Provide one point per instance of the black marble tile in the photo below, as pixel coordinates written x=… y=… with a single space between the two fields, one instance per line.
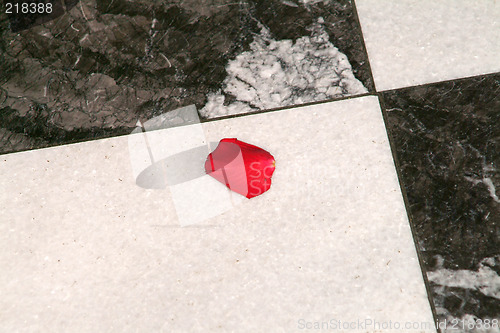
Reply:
x=446 y=138
x=102 y=65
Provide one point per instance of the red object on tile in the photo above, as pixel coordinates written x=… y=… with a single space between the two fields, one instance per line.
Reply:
x=244 y=168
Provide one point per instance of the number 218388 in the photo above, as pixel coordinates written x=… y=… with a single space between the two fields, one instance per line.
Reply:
x=28 y=8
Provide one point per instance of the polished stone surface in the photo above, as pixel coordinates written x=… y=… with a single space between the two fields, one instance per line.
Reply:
x=82 y=235
x=98 y=68
x=416 y=42
x=83 y=247
x=447 y=143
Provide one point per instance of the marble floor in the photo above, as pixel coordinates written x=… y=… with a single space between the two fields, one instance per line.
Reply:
x=383 y=213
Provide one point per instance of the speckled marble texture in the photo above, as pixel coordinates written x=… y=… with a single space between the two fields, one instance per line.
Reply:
x=447 y=142
x=416 y=42
x=83 y=247
x=96 y=69
x=86 y=247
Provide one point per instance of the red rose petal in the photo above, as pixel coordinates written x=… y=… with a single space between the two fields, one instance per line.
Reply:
x=244 y=168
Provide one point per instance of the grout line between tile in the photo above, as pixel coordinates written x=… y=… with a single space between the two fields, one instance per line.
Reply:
x=380 y=96
x=460 y=79
x=408 y=211
x=375 y=93
x=287 y=107
x=363 y=45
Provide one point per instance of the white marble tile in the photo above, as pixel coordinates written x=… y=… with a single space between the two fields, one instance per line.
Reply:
x=416 y=42
x=83 y=248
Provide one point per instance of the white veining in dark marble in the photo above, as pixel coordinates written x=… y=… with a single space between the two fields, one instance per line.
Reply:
x=447 y=142
x=485 y=279
x=455 y=289
x=101 y=65
x=276 y=73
